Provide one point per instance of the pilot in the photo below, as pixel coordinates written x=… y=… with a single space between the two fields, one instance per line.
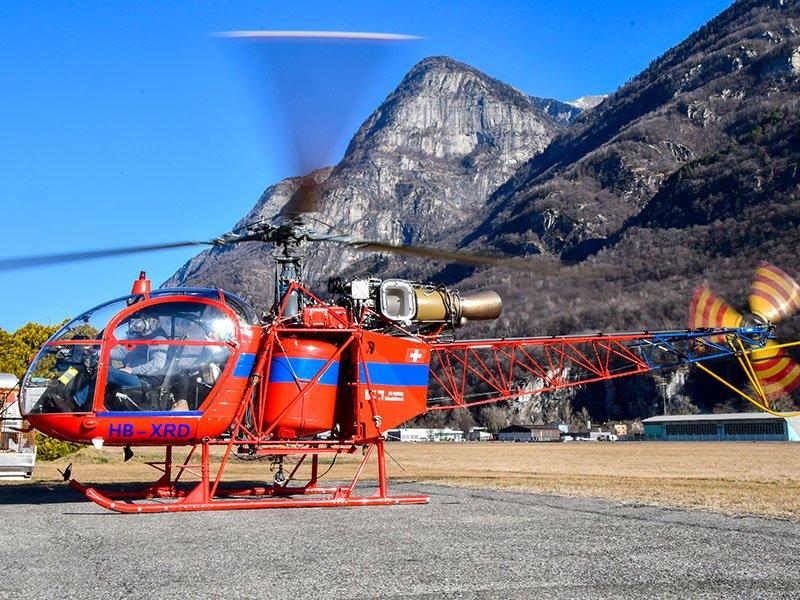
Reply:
x=144 y=365
x=145 y=360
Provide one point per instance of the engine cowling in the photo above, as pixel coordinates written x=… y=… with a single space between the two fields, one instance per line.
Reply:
x=410 y=303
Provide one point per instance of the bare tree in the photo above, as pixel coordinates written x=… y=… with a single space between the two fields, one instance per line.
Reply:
x=434 y=419
x=583 y=418
x=463 y=420
x=494 y=418
x=682 y=405
x=566 y=414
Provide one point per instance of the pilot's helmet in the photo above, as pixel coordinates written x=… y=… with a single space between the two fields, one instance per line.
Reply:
x=143 y=326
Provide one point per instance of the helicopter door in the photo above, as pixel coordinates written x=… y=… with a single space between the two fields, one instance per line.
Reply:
x=167 y=357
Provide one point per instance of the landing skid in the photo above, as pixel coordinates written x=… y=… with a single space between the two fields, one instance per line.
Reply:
x=168 y=495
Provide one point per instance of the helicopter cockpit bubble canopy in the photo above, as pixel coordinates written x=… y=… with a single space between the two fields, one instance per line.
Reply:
x=167 y=352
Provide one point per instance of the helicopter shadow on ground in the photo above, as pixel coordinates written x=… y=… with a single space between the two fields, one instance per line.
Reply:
x=42 y=493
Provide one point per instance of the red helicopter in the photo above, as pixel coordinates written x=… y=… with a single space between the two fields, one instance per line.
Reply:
x=312 y=378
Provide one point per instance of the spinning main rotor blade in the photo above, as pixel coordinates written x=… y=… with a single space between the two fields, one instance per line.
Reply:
x=541 y=265
x=317 y=35
x=26 y=262
x=306 y=199
x=315 y=80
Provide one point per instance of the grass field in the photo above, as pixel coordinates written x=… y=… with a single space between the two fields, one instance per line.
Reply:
x=754 y=478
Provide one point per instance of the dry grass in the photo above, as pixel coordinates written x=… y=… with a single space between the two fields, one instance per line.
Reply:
x=755 y=478
x=758 y=478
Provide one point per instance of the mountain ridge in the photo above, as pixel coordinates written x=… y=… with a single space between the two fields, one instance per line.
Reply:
x=420 y=164
x=688 y=173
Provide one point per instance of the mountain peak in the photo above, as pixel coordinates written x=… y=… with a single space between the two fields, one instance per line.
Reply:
x=444 y=107
x=444 y=70
x=439 y=62
x=448 y=64
x=587 y=102
x=423 y=162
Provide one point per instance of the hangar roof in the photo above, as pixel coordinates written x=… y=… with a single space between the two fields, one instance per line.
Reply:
x=754 y=416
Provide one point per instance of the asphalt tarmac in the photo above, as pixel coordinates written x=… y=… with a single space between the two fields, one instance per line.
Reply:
x=464 y=544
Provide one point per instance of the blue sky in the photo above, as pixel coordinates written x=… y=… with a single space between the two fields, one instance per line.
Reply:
x=127 y=123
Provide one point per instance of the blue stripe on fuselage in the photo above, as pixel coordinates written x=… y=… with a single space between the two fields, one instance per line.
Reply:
x=150 y=413
x=244 y=366
x=395 y=374
x=284 y=370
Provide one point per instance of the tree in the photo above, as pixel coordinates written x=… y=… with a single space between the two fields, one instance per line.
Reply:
x=494 y=418
x=434 y=419
x=463 y=420
x=583 y=418
x=18 y=349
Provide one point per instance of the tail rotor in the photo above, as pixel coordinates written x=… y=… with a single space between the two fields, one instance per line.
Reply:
x=708 y=310
x=777 y=372
x=774 y=296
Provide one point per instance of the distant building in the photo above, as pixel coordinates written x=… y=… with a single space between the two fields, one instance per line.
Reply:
x=17 y=448
x=732 y=427
x=421 y=434
x=603 y=436
x=530 y=433
x=576 y=435
x=479 y=434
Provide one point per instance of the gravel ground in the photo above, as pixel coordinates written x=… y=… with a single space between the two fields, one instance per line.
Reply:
x=465 y=544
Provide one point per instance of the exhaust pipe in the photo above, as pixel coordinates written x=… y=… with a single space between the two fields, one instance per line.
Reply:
x=481 y=306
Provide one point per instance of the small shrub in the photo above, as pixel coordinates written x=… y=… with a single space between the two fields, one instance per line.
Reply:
x=48 y=448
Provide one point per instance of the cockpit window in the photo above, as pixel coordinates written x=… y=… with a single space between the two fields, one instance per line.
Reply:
x=90 y=325
x=177 y=321
x=61 y=380
x=142 y=373
x=158 y=364
x=239 y=306
x=162 y=377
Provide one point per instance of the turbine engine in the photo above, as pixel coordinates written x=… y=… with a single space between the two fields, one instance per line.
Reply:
x=417 y=305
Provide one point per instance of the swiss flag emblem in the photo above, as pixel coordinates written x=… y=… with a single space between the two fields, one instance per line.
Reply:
x=415 y=355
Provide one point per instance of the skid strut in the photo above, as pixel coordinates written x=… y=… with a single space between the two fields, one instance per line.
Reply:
x=166 y=495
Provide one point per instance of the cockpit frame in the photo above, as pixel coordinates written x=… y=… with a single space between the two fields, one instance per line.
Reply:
x=118 y=427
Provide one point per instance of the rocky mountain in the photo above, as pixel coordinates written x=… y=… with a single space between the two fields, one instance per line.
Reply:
x=564 y=112
x=699 y=148
x=424 y=162
x=688 y=173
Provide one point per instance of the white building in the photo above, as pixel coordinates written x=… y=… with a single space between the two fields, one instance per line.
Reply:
x=479 y=434
x=17 y=448
x=421 y=434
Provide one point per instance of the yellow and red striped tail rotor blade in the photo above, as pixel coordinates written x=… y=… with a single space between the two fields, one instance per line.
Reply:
x=773 y=294
x=778 y=372
x=709 y=310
